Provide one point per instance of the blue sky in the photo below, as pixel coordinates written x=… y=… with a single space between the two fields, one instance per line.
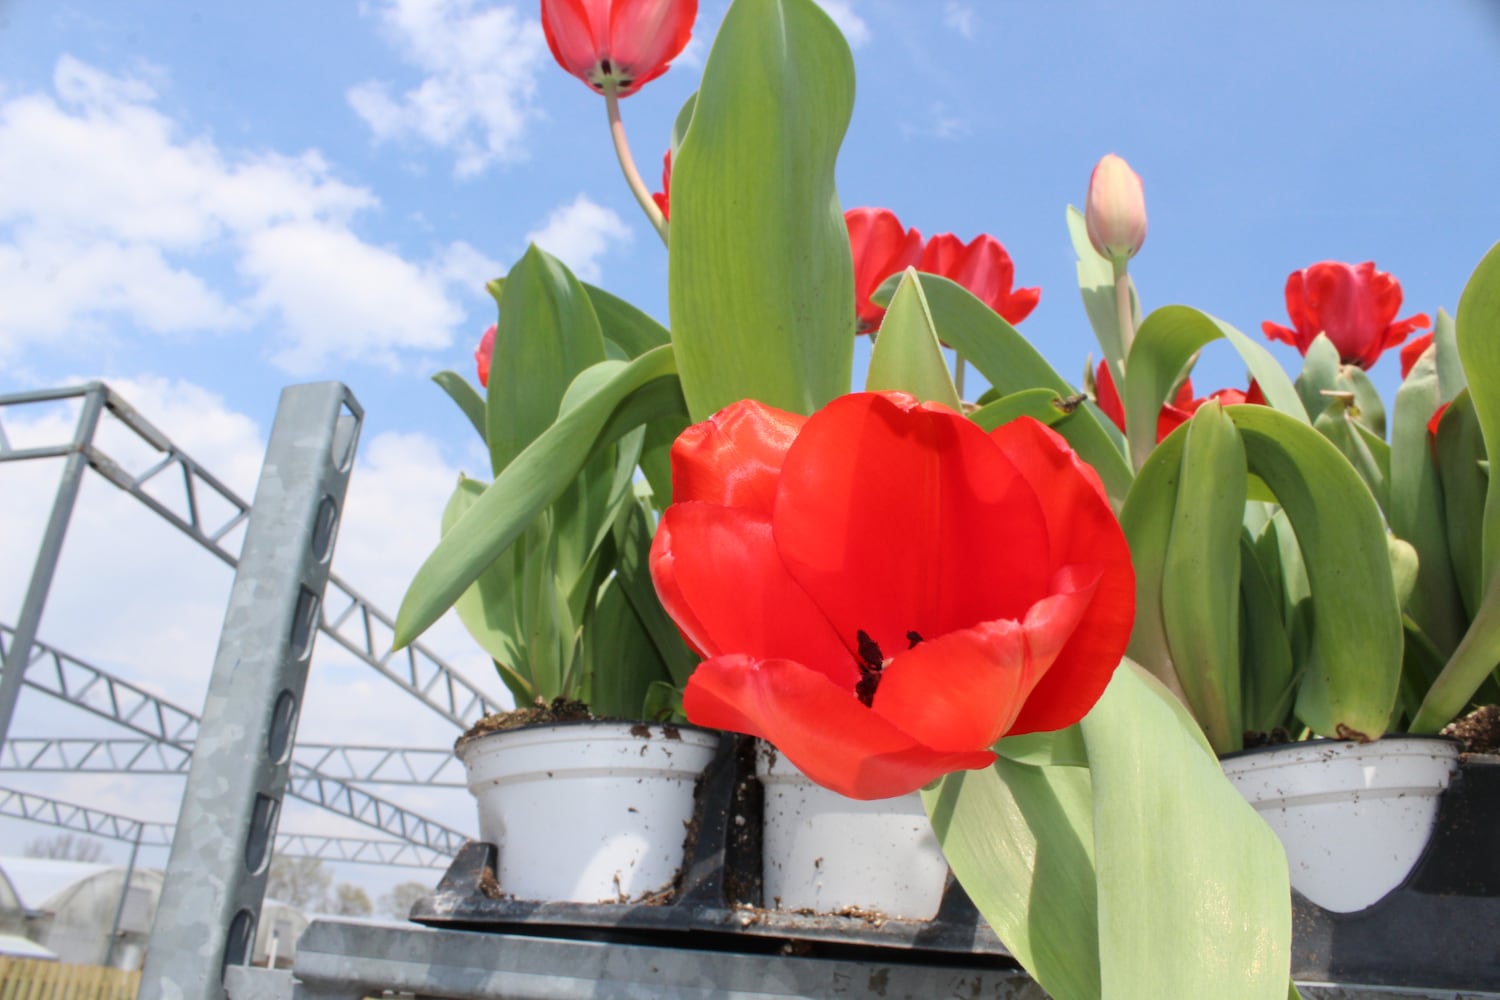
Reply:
x=203 y=203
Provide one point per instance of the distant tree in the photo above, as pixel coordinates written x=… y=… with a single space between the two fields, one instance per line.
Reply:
x=65 y=847
x=302 y=882
x=351 y=901
x=398 y=902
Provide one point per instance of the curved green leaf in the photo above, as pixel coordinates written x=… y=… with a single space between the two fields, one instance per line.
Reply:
x=1096 y=283
x=1201 y=575
x=1043 y=405
x=468 y=399
x=1010 y=364
x=1319 y=375
x=488 y=608
x=623 y=324
x=1146 y=518
x=761 y=284
x=530 y=482
x=623 y=661
x=1267 y=674
x=1350 y=683
x=1194 y=899
x=1450 y=369
x=908 y=357
x=1166 y=341
x=1370 y=456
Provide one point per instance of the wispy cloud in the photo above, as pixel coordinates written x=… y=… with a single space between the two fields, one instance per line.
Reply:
x=579 y=234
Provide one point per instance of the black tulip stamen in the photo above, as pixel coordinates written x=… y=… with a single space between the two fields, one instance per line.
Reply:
x=871 y=661
x=913 y=637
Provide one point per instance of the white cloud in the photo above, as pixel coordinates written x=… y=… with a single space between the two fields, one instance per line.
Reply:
x=959 y=17
x=478 y=89
x=579 y=233
x=111 y=217
x=855 y=30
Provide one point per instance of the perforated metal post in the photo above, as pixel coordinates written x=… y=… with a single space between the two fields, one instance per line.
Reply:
x=216 y=878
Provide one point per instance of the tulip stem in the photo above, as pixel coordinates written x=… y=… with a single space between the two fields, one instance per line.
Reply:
x=1123 y=309
x=627 y=166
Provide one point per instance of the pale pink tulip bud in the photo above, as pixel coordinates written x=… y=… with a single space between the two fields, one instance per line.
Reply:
x=1116 y=209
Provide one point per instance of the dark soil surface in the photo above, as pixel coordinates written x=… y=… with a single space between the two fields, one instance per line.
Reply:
x=558 y=710
x=1479 y=730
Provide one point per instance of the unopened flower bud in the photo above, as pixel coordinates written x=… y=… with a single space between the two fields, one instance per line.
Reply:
x=1116 y=209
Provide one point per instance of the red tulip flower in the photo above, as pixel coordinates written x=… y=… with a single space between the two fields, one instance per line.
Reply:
x=483 y=354
x=663 y=198
x=984 y=268
x=1174 y=413
x=616 y=46
x=883 y=590
x=1354 y=304
x=881 y=247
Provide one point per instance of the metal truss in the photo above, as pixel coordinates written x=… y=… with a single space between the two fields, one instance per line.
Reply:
x=353 y=764
x=347 y=617
x=90 y=688
x=70 y=816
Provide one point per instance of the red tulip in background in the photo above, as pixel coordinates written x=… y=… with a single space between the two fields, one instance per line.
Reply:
x=984 y=268
x=1412 y=351
x=663 y=198
x=882 y=590
x=1173 y=414
x=881 y=247
x=1354 y=304
x=483 y=354
x=616 y=46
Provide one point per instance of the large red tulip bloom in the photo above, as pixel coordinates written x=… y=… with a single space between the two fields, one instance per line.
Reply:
x=985 y=269
x=483 y=355
x=1354 y=304
x=883 y=590
x=616 y=46
x=881 y=247
x=1174 y=413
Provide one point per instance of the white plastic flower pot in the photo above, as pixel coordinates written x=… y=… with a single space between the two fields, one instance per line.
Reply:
x=1354 y=817
x=825 y=853
x=587 y=812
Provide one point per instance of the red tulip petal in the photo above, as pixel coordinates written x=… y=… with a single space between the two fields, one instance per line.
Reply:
x=881 y=247
x=734 y=457
x=1275 y=331
x=575 y=40
x=1083 y=533
x=963 y=690
x=646 y=35
x=823 y=729
x=1107 y=397
x=719 y=576
x=1019 y=304
x=896 y=516
x=1413 y=351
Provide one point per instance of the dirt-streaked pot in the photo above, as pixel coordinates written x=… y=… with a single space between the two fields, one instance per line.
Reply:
x=830 y=854
x=1354 y=817
x=586 y=812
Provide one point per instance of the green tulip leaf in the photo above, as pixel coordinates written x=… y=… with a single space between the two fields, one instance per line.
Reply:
x=1416 y=507
x=1185 y=865
x=1368 y=408
x=1478 y=335
x=1460 y=448
x=623 y=659
x=1167 y=340
x=1146 y=518
x=908 y=356
x=1096 y=283
x=1061 y=747
x=1200 y=603
x=633 y=573
x=761 y=280
x=1450 y=368
x=1350 y=682
x=1319 y=375
x=547 y=334
x=640 y=392
x=1043 y=405
x=488 y=608
x=1009 y=363
x=1020 y=840
x=1369 y=455
x=1267 y=673
x=624 y=325
x=462 y=393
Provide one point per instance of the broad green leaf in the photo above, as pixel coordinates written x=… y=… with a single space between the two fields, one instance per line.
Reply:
x=682 y=121
x=1460 y=449
x=1020 y=840
x=533 y=480
x=1403 y=568
x=1059 y=747
x=1416 y=507
x=1194 y=899
x=488 y=608
x=1350 y=684
x=1369 y=455
x=468 y=399
x=1163 y=345
x=1319 y=375
x=1267 y=675
x=1200 y=600
x=623 y=660
x=547 y=334
x=761 y=284
x=1369 y=410
x=1096 y=282
x=633 y=551
x=1011 y=364
x=1146 y=518
x=908 y=357
x=623 y=324
x=1450 y=369
x=1478 y=334
x=1044 y=405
